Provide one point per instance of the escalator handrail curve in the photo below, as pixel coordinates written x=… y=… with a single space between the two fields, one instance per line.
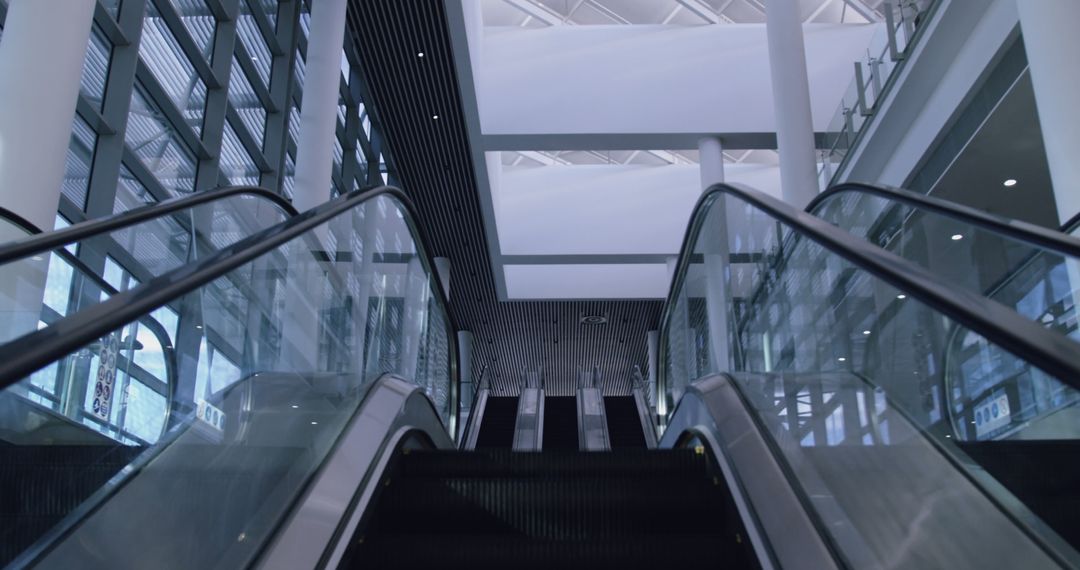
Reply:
x=48 y=241
x=1019 y=230
x=23 y=356
x=1050 y=351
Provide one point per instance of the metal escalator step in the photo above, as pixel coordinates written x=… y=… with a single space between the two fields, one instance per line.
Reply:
x=504 y=463
x=482 y=552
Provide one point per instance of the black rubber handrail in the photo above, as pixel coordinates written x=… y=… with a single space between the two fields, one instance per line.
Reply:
x=1070 y=226
x=24 y=355
x=1015 y=229
x=1029 y=340
x=49 y=241
x=19 y=221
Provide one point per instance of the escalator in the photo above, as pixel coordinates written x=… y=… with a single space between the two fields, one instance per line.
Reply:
x=551 y=509
x=310 y=422
x=623 y=422
x=497 y=425
x=560 y=423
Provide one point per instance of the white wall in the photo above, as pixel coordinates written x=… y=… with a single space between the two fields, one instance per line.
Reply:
x=664 y=79
x=605 y=209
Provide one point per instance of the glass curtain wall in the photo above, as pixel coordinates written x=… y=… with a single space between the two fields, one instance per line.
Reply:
x=183 y=96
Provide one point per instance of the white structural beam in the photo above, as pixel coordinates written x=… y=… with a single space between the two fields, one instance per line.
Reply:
x=538 y=11
x=701 y=10
x=624 y=80
x=817 y=11
x=864 y=10
x=543 y=158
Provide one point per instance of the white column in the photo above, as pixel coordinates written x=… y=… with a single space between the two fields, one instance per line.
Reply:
x=41 y=60
x=1052 y=46
x=318 y=112
x=791 y=101
x=711 y=161
x=715 y=248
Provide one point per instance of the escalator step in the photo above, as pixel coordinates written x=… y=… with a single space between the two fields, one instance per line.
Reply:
x=488 y=552
x=560 y=423
x=495 y=463
x=497 y=425
x=624 y=424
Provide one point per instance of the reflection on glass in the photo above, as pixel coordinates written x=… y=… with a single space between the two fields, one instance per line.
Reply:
x=284 y=349
x=850 y=378
x=130 y=192
x=161 y=52
x=1036 y=282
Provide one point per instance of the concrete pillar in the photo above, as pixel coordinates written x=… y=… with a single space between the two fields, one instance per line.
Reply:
x=318 y=111
x=791 y=101
x=41 y=61
x=1052 y=45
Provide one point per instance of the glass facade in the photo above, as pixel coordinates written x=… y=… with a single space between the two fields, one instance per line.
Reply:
x=180 y=96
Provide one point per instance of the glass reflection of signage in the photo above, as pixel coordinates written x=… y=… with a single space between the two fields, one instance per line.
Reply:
x=106 y=377
x=992 y=414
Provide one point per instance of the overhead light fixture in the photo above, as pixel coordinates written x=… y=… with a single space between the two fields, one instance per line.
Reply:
x=957 y=237
x=841 y=359
x=901 y=296
x=1009 y=183
x=198 y=326
x=866 y=332
x=294 y=406
x=314 y=423
x=420 y=54
x=435 y=117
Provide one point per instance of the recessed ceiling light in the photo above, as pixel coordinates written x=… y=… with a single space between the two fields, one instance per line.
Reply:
x=314 y=423
x=866 y=332
x=254 y=59
x=435 y=117
x=294 y=406
x=1010 y=183
x=901 y=296
x=198 y=326
x=420 y=54
x=957 y=237
x=841 y=359
x=37 y=258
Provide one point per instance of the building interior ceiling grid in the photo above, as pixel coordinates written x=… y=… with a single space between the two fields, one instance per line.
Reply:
x=433 y=163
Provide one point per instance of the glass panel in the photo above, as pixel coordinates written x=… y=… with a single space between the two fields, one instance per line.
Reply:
x=848 y=376
x=152 y=138
x=160 y=52
x=1037 y=283
x=112 y=7
x=130 y=193
x=246 y=439
x=289 y=180
x=147 y=249
x=200 y=23
x=236 y=163
x=270 y=8
x=96 y=68
x=249 y=34
x=80 y=157
x=246 y=102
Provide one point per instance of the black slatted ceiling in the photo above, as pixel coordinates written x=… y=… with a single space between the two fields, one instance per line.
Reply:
x=433 y=165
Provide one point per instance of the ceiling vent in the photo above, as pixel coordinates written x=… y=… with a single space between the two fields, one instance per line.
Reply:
x=593 y=319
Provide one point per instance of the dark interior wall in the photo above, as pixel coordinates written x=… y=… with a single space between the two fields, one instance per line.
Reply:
x=433 y=166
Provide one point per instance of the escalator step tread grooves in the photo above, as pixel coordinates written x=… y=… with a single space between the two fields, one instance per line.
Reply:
x=631 y=508
x=624 y=424
x=497 y=425
x=560 y=423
